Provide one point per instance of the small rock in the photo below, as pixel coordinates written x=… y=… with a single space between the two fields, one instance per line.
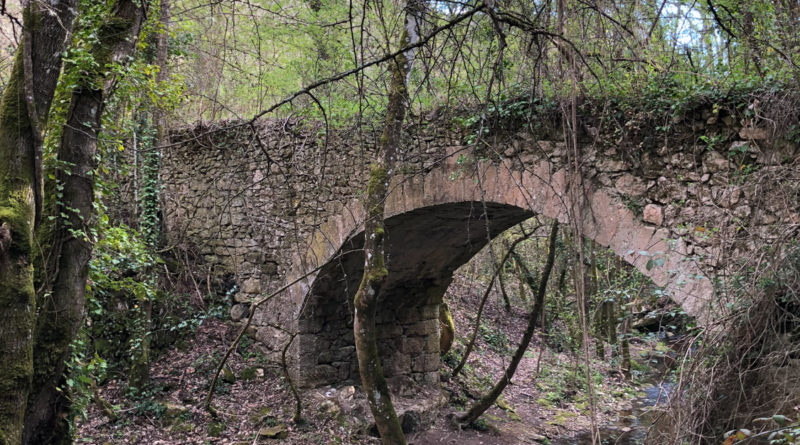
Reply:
x=714 y=162
x=742 y=211
x=240 y=311
x=330 y=408
x=410 y=421
x=173 y=412
x=753 y=133
x=653 y=214
x=273 y=432
x=347 y=392
x=215 y=429
x=261 y=416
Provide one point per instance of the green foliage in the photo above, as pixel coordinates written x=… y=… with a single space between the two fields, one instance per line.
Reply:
x=452 y=357
x=495 y=338
x=120 y=283
x=84 y=369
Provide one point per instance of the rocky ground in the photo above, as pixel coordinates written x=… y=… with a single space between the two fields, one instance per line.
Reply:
x=547 y=402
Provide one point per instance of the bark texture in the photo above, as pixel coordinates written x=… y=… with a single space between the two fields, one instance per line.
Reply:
x=375 y=272
x=483 y=404
x=46 y=28
x=61 y=311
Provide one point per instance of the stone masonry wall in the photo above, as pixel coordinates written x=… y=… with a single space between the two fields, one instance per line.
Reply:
x=248 y=199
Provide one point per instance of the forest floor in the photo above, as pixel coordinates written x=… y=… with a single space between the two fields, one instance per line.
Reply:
x=546 y=403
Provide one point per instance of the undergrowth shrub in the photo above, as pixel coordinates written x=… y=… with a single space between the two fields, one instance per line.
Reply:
x=745 y=371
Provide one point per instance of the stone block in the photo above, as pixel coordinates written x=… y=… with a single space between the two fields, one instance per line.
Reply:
x=428 y=378
x=251 y=286
x=653 y=214
x=398 y=363
x=325 y=357
x=426 y=363
x=343 y=370
x=408 y=315
x=431 y=344
x=344 y=354
x=429 y=311
x=753 y=133
x=714 y=162
x=311 y=325
x=322 y=374
x=422 y=328
x=413 y=345
x=630 y=185
x=389 y=331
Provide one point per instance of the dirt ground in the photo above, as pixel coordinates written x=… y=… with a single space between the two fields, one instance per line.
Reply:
x=540 y=406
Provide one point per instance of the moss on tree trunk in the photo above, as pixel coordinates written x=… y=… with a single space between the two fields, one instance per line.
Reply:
x=61 y=312
x=39 y=52
x=366 y=298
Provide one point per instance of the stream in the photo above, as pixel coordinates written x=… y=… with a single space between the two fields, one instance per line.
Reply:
x=631 y=425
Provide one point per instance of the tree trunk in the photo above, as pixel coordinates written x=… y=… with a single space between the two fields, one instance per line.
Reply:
x=149 y=220
x=506 y=301
x=375 y=272
x=447 y=329
x=625 y=364
x=23 y=110
x=482 y=405
x=61 y=313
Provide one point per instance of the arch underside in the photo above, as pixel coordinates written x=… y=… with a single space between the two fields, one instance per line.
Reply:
x=424 y=247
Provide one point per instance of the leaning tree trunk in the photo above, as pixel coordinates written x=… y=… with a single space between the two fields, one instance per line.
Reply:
x=61 y=312
x=484 y=403
x=375 y=272
x=23 y=112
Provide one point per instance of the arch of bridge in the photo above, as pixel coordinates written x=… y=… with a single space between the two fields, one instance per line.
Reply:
x=435 y=223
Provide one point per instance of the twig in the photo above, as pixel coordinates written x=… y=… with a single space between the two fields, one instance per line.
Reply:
x=298 y=404
x=471 y=343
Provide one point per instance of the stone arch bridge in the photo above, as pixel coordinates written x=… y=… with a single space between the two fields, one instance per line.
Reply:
x=284 y=206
